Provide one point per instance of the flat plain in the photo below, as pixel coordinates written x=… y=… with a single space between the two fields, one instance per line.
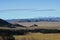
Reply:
x=51 y=25
x=40 y=36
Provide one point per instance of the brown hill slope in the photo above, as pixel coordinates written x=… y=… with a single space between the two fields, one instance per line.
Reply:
x=4 y=23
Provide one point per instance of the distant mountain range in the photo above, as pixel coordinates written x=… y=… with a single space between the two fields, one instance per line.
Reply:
x=47 y=19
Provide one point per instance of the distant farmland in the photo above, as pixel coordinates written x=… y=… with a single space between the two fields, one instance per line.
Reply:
x=53 y=25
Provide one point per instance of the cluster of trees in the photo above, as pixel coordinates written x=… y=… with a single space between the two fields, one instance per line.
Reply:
x=6 y=34
x=45 y=31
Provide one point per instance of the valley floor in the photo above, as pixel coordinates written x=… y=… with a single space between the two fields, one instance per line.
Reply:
x=38 y=36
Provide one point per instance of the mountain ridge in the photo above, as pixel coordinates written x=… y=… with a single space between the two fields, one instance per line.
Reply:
x=47 y=19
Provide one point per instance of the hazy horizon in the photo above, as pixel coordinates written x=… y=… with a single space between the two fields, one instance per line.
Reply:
x=21 y=9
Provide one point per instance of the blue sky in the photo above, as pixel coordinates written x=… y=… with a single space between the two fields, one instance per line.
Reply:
x=14 y=9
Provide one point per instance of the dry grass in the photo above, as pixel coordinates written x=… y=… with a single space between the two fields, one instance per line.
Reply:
x=45 y=24
x=38 y=36
x=53 y=25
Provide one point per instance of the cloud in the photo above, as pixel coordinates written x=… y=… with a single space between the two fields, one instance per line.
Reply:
x=9 y=10
x=47 y=10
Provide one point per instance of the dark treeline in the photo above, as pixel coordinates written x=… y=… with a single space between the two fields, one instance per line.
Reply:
x=23 y=32
x=9 y=33
x=45 y=31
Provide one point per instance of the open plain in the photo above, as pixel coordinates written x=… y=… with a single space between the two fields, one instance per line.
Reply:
x=40 y=36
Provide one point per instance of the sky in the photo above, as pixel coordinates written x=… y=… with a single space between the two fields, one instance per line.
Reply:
x=21 y=9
